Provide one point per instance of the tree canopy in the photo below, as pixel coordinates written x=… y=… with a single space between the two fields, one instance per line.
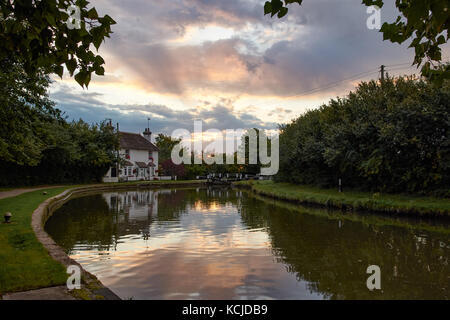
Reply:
x=390 y=136
x=425 y=22
x=37 y=34
x=37 y=145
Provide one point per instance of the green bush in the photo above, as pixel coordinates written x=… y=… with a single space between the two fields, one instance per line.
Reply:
x=37 y=145
x=389 y=137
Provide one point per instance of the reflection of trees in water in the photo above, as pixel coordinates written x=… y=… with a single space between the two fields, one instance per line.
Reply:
x=333 y=255
x=101 y=220
x=87 y=220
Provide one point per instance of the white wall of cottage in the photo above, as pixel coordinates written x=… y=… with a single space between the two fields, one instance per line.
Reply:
x=139 y=156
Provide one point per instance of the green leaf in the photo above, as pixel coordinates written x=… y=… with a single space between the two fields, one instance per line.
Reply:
x=100 y=71
x=71 y=65
x=92 y=14
x=267 y=8
x=283 y=11
x=81 y=78
x=59 y=70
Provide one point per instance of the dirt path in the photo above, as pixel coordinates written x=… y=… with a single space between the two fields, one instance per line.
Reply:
x=16 y=192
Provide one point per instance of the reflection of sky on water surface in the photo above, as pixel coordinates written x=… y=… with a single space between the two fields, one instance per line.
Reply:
x=212 y=244
x=208 y=253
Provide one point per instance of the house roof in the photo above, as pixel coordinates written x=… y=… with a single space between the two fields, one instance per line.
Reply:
x=141 y=164
x=135 y=141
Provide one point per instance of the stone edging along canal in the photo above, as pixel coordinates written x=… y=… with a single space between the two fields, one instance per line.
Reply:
x=90 y=283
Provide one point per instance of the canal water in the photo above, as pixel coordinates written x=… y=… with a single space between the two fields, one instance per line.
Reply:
x=229 y=244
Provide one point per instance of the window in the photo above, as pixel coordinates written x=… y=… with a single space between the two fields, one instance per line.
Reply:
x=127 y=154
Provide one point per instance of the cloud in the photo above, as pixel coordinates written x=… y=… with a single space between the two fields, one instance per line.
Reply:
x=156 y=49
x=320 y=42
x=88 y=106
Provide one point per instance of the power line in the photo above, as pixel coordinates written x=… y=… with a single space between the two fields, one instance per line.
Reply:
x=398 y=64
x=444 y=59
x=410 y=67
x=335 y=83
x=358 y=76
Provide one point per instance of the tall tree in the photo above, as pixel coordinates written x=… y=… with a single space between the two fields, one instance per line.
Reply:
x=165 y=145
x=37 y=145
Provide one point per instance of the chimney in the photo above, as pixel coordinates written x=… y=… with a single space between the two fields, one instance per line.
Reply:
x=148 y=134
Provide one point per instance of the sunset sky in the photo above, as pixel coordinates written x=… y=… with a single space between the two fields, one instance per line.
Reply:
x=226 y=63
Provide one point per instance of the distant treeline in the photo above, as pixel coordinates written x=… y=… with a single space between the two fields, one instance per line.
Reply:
x=37 y=145
x=391 y=136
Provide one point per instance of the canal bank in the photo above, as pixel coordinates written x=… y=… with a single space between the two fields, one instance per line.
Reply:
x=225 y=243
x=406 y=205
x=246 y=212
x=30 y=258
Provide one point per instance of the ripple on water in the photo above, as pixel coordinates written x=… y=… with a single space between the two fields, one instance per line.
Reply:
x=202 y=244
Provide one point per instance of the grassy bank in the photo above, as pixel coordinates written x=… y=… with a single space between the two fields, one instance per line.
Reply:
x=24 y=263
x=353 y=200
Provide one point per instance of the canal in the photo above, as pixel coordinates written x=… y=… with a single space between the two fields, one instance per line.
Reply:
x=224 y=243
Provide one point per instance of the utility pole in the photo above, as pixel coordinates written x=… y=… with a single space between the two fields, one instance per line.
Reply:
x=382 y=72
x=118 y=154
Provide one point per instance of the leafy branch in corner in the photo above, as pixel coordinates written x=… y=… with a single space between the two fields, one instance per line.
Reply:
x=425 y=22
x=36 y=33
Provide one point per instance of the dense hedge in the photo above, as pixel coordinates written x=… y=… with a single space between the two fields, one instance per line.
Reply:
x=37 y=145
x=391 y=137
x=77 y=153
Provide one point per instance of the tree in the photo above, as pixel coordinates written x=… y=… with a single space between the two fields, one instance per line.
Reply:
x=37 y=145
x=390 y=137
x=24 y=106
x=38 y=35
x=425 y=21
x=171 y=169
x=165 y=145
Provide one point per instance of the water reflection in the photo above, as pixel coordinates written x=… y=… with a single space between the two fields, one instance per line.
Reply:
x=226 y=244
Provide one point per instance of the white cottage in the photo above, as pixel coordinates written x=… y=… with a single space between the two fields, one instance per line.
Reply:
x=139 y=158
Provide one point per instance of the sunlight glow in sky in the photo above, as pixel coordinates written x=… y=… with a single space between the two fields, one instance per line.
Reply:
x=180 y=60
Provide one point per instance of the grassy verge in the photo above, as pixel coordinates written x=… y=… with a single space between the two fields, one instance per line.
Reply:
x=24 y=263
x=366 y=218
x=364 y=201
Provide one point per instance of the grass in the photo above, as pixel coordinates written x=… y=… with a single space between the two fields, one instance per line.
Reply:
x=24 y=263
x=354 y=200
x=367 y=219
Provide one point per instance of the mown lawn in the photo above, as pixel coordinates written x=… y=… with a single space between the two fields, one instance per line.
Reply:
x=24 y=263
x=389 y=203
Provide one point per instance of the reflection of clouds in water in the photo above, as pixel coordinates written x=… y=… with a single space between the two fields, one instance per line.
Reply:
x=206 y=252
x=211 y=244
x=233 y=275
